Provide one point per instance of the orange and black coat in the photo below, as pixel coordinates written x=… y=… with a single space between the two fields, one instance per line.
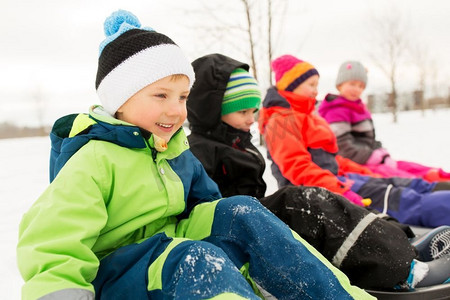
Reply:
x=301 y=143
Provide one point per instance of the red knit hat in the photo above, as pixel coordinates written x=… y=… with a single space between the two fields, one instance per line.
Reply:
x=290 y=72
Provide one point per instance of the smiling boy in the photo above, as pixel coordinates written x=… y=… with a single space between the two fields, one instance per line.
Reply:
x=124 y=219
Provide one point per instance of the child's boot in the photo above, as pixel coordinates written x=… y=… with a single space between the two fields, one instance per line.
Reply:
x=434 y=244
x=438 y=273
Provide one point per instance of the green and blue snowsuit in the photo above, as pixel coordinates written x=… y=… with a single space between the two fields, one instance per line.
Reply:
x=123 y=221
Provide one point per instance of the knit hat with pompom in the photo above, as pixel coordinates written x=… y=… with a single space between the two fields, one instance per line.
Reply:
x=132 y=57
x=290 y=72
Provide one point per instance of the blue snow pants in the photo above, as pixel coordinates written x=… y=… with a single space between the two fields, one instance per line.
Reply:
x=219 y=252
x=410 y=201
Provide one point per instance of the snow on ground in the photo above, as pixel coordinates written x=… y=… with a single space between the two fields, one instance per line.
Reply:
x=24 y=173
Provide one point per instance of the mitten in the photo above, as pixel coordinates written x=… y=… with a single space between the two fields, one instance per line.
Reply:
x=444 y=174
x=377 y=157
x=436 y=175
x=353 y=197
x=388 y=161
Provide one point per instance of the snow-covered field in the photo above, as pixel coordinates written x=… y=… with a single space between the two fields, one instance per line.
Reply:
x=24 y=173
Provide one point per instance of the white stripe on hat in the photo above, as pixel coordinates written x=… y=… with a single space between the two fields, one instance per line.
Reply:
x=140 y=70
x=244 y=87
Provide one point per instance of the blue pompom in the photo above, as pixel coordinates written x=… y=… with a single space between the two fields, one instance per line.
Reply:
x=116 y=19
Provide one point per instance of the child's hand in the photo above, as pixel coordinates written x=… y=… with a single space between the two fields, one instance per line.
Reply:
x=378 y=157
x=388 y=161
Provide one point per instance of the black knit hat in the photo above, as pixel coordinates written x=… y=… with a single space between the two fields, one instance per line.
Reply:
x=132 y=57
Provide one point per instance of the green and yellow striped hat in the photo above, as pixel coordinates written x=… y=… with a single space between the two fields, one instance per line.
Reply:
x=242 y=92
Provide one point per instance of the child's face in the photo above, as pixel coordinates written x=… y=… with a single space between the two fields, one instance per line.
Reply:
x=352 y=89
x=159 y=107
x=241 y=120
x=308 y=88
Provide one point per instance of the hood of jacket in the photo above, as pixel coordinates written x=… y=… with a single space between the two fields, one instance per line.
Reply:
x=286 y=99
x=273 y=98
x=204 y=104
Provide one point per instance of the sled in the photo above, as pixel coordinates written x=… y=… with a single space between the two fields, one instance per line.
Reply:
x=435 y=292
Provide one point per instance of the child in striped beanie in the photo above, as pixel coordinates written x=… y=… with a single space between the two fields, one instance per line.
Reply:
x=241 y=100
x=241 y=92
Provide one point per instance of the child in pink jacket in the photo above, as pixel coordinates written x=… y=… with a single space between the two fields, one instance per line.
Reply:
x=353 y=126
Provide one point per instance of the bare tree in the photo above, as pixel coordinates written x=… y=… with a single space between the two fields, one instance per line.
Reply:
x=235 y=33
x=251 y=41
x=243 y=32
x=269 y=38
x=420 y=58
x=434 y=77
x=390 y=41
x=276 y=15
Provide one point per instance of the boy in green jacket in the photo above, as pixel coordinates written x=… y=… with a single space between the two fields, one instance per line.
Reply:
x=131 y=213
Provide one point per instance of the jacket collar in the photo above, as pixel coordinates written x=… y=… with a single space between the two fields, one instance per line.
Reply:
x=299 y=103
x=120 y=132
x=332 y=101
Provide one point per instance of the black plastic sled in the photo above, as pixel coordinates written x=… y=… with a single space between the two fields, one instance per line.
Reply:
x=436 y=292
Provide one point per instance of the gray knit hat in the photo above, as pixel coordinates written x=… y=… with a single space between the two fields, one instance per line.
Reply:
x=351 y=70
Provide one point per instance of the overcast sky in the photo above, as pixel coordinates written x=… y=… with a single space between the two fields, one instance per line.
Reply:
x=49 y=48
